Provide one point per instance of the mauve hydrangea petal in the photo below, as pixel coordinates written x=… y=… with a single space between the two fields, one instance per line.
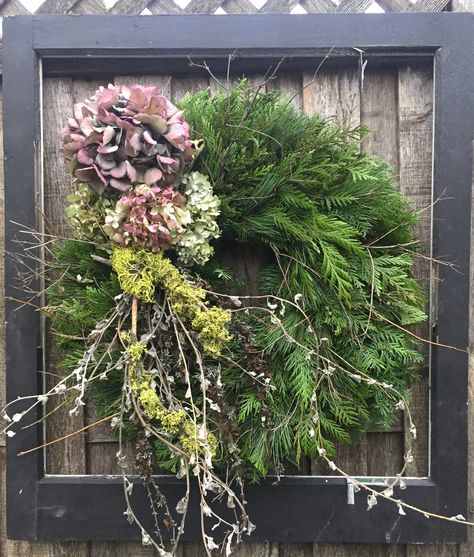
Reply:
x=157 y=123
x=127 y=124
x=84 y=158
x=152 y=176
x=119 y=171
x=120 y=185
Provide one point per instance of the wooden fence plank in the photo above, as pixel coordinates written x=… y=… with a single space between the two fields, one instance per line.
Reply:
x=66 y=457
x=415 y=98
x=334 y=95
x=256 y=550
x=290 y=83
x=384 y=450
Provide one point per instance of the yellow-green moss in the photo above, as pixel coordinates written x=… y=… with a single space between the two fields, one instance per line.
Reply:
x=212 y=327
x=137 y=271
x=140 y=271
x=172 y=422
x=190 y=441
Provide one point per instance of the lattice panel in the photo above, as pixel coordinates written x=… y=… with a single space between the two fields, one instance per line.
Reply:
x=14 y=7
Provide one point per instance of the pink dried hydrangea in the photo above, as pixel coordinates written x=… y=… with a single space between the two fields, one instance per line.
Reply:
x=148 y=217
x=124 y=136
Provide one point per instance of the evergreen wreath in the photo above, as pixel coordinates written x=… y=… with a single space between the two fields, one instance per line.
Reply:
x=151 y=318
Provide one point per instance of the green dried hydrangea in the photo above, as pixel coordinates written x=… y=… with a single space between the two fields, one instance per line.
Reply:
x=203 y=206
x=86 y=212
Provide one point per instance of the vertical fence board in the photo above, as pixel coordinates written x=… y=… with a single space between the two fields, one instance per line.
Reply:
x=415 y=94
x=335 y=94
x=384 y=450
x=69 y=456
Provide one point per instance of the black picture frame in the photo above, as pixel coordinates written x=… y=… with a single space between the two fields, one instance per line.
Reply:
x=301 y=508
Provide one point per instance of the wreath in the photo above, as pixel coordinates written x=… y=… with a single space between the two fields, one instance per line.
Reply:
x=216 y=378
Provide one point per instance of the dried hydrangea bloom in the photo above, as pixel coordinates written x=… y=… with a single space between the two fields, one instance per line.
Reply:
x=86 y=213
x=124 y=136
x=203 y=207
x=148 y=217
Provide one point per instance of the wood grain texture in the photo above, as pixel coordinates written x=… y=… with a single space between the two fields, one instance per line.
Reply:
x=334 y=95
x=384 y=451
x=358 y=550
x=415 y=96
x=202 y=7
x=291 y=85
x=415 y=113
x=257 y=550
x=66 y=457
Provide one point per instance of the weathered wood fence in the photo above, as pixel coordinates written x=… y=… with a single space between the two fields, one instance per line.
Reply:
x=396 y=103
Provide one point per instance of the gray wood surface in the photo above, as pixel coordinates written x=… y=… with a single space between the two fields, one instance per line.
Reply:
x=415 y=113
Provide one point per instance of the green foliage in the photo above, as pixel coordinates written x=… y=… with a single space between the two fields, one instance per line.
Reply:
x=336 y=225
x=82 y=295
